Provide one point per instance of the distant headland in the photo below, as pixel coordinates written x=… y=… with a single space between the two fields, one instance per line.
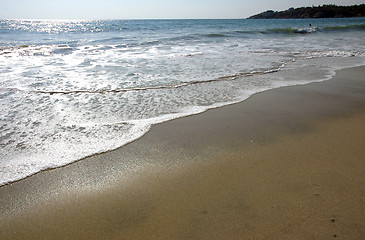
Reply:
x=324 y=11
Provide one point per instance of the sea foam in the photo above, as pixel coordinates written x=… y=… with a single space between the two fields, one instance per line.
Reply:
x=71 y=89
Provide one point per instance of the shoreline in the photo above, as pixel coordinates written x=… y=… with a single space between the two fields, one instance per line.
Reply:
x=181 y=115
x=195 y=170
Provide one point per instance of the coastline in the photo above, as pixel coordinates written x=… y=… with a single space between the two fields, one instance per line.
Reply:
x=285 y=163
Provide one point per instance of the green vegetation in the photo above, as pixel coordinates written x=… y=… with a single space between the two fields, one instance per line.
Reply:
x=324 y=11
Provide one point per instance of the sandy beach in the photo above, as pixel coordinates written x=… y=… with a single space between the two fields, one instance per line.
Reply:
x=286 y=163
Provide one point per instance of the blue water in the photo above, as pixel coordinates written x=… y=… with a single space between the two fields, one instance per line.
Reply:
x=71 y=89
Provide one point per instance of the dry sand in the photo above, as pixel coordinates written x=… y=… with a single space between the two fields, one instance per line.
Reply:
x=287 y=163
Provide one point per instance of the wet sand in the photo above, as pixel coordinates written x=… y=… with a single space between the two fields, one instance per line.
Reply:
x=284 y=164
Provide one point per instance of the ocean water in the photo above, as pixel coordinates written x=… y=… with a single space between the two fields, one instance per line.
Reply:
x=71 y=89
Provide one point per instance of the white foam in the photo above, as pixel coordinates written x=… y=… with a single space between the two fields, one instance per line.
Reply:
x=63 y=102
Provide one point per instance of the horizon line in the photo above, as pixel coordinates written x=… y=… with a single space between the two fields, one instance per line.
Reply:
x=114 y=19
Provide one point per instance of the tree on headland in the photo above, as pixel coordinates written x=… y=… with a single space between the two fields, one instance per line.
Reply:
x=324 y=11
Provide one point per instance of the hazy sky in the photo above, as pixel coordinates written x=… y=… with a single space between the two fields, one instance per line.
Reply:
x=136 y=9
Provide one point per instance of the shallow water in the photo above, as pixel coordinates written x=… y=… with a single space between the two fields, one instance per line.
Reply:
x=71 y=89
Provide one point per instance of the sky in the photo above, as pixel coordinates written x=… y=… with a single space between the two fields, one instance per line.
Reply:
x=149 y=9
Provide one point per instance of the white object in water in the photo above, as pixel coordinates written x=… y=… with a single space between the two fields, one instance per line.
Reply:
x=306 y=30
